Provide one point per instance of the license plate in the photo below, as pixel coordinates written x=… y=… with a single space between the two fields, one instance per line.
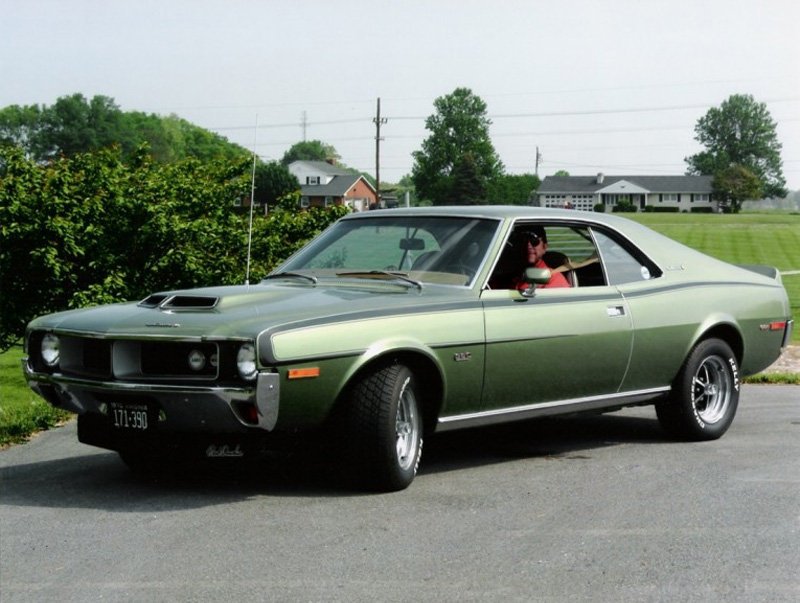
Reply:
x=130 y=416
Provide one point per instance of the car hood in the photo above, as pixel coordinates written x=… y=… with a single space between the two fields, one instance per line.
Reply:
x=244 y=311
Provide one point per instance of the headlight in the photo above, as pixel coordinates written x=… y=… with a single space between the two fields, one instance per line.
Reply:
x=246 y=362
x=51 y=353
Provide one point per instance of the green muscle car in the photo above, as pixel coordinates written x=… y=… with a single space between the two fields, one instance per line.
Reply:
x=394 y=324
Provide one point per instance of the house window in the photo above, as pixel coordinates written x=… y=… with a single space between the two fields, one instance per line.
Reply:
x=702 y=197
x=328 y=201
x=312 y=179
x=670 y=197
x=304 y=202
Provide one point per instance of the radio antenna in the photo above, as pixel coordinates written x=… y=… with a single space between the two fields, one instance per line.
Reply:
x=252 y=205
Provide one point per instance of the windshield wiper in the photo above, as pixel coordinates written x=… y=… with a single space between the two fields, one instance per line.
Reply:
x=383 y=274
x=313 y=279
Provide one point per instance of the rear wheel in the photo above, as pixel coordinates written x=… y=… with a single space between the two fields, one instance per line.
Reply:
x=385 y=428
x=705 y=394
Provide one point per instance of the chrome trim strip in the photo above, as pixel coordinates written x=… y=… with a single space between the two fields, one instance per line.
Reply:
x=516 y=413
x=143 y=337
x=787 y=333
x=160 y=388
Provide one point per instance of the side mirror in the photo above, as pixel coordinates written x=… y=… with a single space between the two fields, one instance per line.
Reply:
x=535 y=276
x=538 y=276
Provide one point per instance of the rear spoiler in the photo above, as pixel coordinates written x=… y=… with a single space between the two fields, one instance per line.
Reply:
x=769 y=271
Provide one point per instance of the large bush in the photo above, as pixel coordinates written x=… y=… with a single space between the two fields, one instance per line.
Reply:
x=92 y=229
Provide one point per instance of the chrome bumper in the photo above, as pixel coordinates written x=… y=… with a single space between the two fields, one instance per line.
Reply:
x=787 y=333
x=186 y=407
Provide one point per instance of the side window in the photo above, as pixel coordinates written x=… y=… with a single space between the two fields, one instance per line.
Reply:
x=569 y=250
x=572 y=250
x=621 y=264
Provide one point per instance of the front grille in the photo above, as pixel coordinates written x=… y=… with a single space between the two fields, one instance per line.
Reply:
x=86 y=357
x=160 y=360
x=142 y=360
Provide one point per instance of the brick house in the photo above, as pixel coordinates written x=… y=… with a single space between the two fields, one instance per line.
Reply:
x=323 y=184
x=681 y=193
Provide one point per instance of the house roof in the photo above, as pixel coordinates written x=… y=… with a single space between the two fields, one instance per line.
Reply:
x=324 y=167
x=337 y=187
x=583 y=185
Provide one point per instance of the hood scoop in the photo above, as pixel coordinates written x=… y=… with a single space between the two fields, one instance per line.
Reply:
x=180 y=302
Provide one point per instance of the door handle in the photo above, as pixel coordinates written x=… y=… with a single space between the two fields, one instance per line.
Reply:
x=615 y=311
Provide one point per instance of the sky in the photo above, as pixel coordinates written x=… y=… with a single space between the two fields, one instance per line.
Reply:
x=612 y=86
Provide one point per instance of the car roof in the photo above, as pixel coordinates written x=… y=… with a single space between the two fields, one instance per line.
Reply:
x=506 y=212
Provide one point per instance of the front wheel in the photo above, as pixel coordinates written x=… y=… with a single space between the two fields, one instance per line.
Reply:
x=705 y=394
x=385 y=428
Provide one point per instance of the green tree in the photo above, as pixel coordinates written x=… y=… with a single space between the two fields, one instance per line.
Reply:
x=273 y=182
x=736 y=184
x=21 y=126
x=75 y=125
x=740 y=132
x=513 y=189
x=94 y=229
x=459 y=126
x=311 y=150
x=561 y=174
x=467 y=186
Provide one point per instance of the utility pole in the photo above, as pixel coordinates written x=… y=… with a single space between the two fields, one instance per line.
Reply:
x=538 y=159
x=378 y=121
x=304 y=125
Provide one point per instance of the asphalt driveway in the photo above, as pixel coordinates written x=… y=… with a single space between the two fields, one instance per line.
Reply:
x=581 y=509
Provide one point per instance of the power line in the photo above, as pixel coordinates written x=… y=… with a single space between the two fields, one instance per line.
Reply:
x=588 y=112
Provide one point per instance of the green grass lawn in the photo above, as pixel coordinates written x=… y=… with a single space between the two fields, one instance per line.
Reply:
x=21 y=412
x=750 y=238
x=771 y=238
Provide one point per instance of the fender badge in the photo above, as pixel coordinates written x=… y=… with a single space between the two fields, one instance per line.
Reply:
x=462 y=356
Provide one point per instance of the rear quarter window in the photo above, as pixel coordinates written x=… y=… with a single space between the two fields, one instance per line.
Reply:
x=622 y=262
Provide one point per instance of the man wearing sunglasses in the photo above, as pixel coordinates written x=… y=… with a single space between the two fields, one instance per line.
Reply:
x=532 y=244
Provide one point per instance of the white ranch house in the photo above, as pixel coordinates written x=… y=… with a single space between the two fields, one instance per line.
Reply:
x=686 y=193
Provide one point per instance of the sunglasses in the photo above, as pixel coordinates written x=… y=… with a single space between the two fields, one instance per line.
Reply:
x=533 y=238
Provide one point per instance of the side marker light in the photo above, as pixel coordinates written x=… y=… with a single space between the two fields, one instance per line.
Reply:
x=303 y=373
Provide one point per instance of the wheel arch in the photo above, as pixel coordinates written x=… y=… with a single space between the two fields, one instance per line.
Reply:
x=728 y=333
x=430 y=381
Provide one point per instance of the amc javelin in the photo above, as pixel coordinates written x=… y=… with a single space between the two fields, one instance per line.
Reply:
x=395 y=324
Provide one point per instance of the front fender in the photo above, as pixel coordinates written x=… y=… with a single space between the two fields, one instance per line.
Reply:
x=452 y=343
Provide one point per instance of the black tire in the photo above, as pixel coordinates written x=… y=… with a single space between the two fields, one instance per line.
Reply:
x=385 y=428
x=705 y=394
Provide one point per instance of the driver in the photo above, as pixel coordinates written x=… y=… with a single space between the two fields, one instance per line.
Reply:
x=532 y=245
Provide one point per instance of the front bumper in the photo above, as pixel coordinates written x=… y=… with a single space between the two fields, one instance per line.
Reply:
x=187 y=408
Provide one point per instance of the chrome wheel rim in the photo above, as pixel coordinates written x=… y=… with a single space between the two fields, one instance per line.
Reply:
x=406 y=427
x=711 y=390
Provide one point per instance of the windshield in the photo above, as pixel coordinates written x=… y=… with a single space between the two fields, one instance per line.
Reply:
x=446 y=250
